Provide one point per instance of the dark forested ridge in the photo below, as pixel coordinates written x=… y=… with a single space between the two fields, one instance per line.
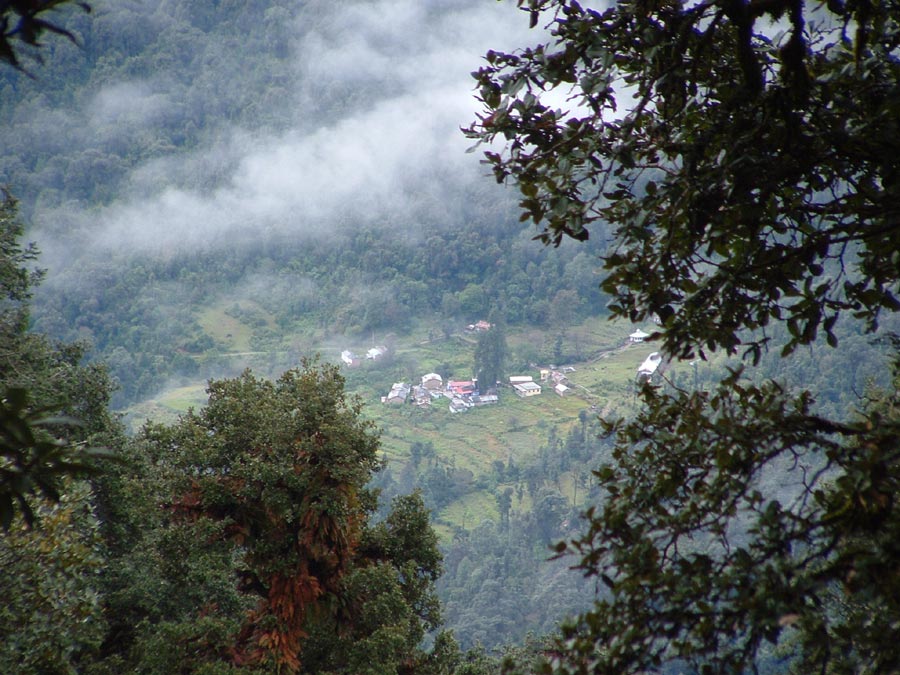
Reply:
x=144 y=80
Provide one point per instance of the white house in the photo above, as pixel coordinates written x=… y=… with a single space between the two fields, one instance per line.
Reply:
x=349 y=358
x=526 y=389
x=433 y=381
x=638 y=336
x=561 y=389
x=650 y=365
x=520 y=379
x=376 y=353
x=399 y=392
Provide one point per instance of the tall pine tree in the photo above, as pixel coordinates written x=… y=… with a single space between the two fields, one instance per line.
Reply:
x=490 y=356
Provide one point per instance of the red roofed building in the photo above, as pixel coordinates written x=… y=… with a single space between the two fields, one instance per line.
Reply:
x=461 y=387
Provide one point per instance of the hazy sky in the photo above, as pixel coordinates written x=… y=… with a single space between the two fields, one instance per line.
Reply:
x=396 y=154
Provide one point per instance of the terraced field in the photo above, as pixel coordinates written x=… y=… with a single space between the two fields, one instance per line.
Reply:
x=514 y=429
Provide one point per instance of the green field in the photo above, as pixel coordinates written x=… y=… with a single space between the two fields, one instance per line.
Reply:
x=227 y=327
x=516 y=428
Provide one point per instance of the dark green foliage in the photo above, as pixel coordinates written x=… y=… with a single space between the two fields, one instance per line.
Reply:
x=168 y=588
x=750 y=177
x=52 y=414
x=498 y=583
x=550 y=509
x=51 y=616
x=279 y=467
x=26 y=21
x=392 y=597
x=244 y=541
x=735 y=520
x=491 y=353
x=748 y=180
x=16 y=282
x=43 y=390
x=34 y=457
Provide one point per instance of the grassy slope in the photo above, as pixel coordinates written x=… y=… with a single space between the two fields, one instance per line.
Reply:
x=228 y=331
x=232 y=334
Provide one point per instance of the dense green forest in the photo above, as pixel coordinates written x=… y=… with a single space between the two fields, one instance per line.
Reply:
x=157 y=108
x=110 y=559
x=145 y=323
x=143 y=314
x=232 y=183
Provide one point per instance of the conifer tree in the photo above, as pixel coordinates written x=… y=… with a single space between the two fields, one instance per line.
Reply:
x=490 y=356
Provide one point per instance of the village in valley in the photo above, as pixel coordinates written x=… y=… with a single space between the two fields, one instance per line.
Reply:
x=461 y=395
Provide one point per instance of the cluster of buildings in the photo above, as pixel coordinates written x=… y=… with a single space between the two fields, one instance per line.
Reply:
x=558 y=380
x=463 y=394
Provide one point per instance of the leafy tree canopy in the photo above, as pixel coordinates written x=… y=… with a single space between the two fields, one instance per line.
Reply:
x=745 y=155
x=284 y=467
x=51 y=616
x=47 y=401
x=745 y=152
x=490 y=356
x=53 y=410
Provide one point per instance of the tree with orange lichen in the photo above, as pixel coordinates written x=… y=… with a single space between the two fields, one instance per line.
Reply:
x=250 y=544
x=282 y=468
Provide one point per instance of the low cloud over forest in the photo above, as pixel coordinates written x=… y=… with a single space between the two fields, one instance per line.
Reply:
x=346 y=114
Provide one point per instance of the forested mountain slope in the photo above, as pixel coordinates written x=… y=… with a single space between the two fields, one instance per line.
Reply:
x=153 y=161
x=303 y=156
x=142 y=160
x=215 y=179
